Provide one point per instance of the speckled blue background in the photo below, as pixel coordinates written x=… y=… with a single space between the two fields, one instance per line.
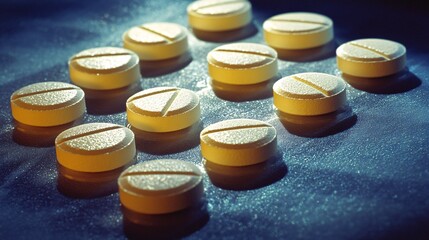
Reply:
x=370 y=181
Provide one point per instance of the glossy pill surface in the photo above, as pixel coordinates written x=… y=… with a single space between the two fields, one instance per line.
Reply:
x=95 y=147
x=163 y=109
x=219 y=15
x=309 y=94
x=47 y=104
x=238 y=142
x=156 y=41
x=104 y=68
x=371 y=57
x=160 y=186
x=242 y=63
x=298 y=30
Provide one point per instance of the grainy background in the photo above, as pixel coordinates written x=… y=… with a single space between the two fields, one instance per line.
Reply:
x=367 y=182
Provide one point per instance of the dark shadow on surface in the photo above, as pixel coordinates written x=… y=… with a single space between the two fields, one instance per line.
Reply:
x=226 y=36
x=397 y=83
x=319 y=126
x=308 y=55
x=168 y=142
x=162 y=67
x=103 y=102
x=241 y=93
x=32 y=136
x=165 y=226
x=247 y=177
x=75 y=184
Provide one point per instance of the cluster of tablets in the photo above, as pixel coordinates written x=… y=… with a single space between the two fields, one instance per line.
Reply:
x=165 y=186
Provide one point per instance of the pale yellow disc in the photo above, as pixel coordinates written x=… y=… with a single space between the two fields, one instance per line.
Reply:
x=156 y=41
x=298 y=30
x=242 y=63
x=104 y=68
x=163 y=109
x=95 y=147
x=47 y=104
x=238 y=142
x=309 y=94
x=371 y=57
x=160 y=186
x=219 y=15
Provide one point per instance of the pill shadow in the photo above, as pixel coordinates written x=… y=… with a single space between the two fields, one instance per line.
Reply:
x=162 y=67
x=169 y=142
x=32 y=136
x=226 y=36
x=165 y=226
x=318 y=126
x=103 y=102
x=85 y=185
x=247 y=177
x=397 y=83
x=240 y=93
x=308 y=55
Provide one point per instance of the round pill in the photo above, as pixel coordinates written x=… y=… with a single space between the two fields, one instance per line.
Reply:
x=163 y=109
x=156 y=41
x=95 y=147
x=104 y=68
x=219 y=15
x=309 y=94
x=47 y=104
x=160 y=186
x=298 y=30
x=238 y=142
x=242 y=63
x=371 y=58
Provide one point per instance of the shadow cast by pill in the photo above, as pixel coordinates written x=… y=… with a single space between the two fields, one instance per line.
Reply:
x=168 y=142
x=165 y=226
x=398 y=83
x=162 y=67
x=103 y=102
x=84 y=185
x=32 y=136
x=308 y=55
x=226 y=36
x=318 y=126
x=240 y=93
x=247 y=177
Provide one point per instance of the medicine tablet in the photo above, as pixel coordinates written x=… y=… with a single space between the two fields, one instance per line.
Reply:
x=298 y=30
x=163 y=109
x=104 y=68
x=238 y=142
x=219 y=15
x=156 y=41
x=242 y=63
x=95 y=147
x=47 y=104
x=160 y=186
x=309 y=94
x=371 y=58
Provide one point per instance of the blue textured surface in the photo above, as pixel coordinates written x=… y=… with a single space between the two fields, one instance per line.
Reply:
x=369 y=181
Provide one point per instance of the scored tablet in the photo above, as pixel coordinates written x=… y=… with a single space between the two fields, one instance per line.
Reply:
x=163 y=109
x=95 y=147
x=104 y=68
x=47 y=104
x=238 y=142
x=371 y=58
x=242 y=63
x=160 y=186
x=309 y=94
x=156 y=41
x=219 y=15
